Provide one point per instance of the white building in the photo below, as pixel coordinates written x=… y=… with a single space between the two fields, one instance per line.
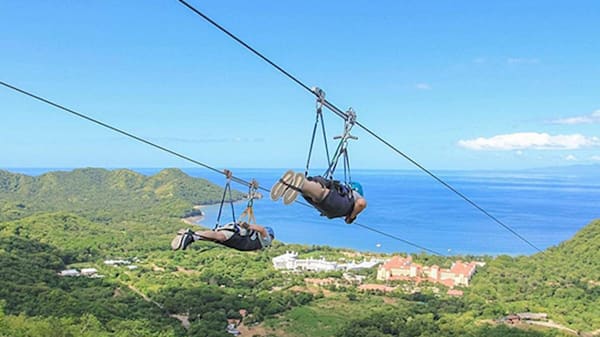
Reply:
x=116 y=262
x=231 y=328
x=69 y=272
x=88 y=271
x=290 y=261
x=363 y=265
x=316 y=265
x=285 y=261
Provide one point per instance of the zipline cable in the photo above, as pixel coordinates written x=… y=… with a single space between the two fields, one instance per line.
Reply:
x=450 y=187
x=177 y=154
x=128 y=134
x=396 y=238
x=341 y=114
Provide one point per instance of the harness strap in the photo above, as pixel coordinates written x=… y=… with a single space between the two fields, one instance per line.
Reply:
x=228 y=175
x=319 y=118
x=248 y=213
x=342 y=148
x=235 y=228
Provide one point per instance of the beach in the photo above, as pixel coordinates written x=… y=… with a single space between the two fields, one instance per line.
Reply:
x=195 y=219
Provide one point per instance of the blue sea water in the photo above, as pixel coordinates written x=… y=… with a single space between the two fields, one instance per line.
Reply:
x=544 y=207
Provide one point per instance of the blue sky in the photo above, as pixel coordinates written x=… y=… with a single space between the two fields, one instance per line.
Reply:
x=455 y=85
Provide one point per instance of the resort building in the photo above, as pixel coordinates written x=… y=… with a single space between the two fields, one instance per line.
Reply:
x=116 y=262
x=285 y=261
x=69 y=272
x=290 y=261
x=402 y=268
x=88 y=271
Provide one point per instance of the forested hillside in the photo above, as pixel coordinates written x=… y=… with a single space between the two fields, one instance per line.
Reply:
x=48 y=305
x=80 y=219
x=563 y=281
x=103 y=195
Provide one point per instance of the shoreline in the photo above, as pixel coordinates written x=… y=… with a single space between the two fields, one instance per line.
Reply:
x=195 y=219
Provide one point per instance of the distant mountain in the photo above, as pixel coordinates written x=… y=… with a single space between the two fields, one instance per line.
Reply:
x=563 y=281
x=102 y=195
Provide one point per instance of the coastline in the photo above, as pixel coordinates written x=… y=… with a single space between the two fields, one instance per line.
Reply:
x=195 y=220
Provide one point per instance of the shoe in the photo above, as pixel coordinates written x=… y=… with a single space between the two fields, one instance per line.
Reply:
x=281 y=185
x=183 y=239
x=292 y=192
x=350 y=220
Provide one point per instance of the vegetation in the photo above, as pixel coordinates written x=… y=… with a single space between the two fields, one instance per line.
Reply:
x=79 y=219
x=105 y=196
x=563 y=281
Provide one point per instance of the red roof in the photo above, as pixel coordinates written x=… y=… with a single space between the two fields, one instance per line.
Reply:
x=461 y=268
x=397 y=262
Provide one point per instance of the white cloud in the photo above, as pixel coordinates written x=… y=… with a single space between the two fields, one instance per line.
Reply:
x=522 y=60
x=422 y=86
x=530 y=140
x=596 y=158
x=592 y=118
x=519 y=153
x=570 y=158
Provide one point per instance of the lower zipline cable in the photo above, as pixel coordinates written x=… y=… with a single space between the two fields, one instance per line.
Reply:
x=184 y=157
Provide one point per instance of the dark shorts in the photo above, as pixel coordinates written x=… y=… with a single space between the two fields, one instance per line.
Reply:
x=338 y=203
x=243 y=243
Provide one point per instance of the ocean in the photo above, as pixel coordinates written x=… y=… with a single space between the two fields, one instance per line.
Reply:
x=543 y=207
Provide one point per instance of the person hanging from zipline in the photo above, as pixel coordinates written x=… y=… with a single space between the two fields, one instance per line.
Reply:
x=238 y=234
x=328 y=196
x=332 y=198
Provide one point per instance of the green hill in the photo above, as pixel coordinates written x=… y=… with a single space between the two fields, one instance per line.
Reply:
x=104 y=195
x=563 y=281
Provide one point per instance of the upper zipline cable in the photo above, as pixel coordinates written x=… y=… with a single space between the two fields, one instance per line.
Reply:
x=341 y=114
x=177 y=154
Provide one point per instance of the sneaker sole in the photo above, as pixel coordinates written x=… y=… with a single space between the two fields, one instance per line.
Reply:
x=291 y=194
x=178 y=240
x=278 y=189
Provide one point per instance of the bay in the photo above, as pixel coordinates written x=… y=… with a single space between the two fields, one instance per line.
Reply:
x=542 y=207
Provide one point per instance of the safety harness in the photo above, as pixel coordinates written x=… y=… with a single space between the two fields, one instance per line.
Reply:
x=342 y=148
